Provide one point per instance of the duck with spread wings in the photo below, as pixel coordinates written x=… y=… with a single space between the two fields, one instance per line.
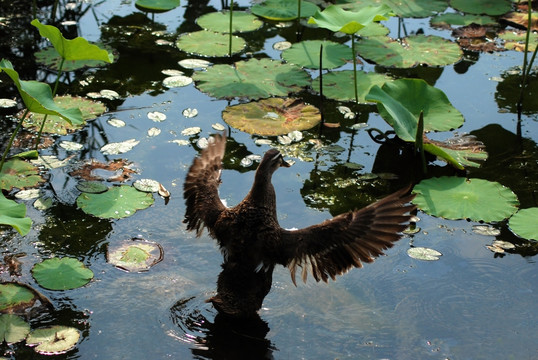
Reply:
x=253 y=243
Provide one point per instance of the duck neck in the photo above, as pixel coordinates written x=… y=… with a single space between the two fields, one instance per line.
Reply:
x=262 y=193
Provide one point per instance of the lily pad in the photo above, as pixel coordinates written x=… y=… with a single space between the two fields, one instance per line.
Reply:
x=90 y=109
x=156 y=5
x=284 y=10
x=460 y=198
x=515 y=40
x=14 y=215
x=423 y=253
x=252 y=79
x=338 y=85
x=15 y=297
x=409 y=51
x=404 y=9
x=119 y=147
x=208 y=43
x=306 y=54
x=525 y=223
x=136 y=255
x=13 y=328
x=54 y=340
x=273 y=116
x=92 y=187
x=220 y=22
x=146 y=185
x=116 y=203
x=61 y=273
x=487 y=7
x=462 y=19
x=17 y=173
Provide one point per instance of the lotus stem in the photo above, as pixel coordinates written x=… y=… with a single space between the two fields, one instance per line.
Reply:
x=298 y=10
x=527 y=65
x=321 y=84
x=354 y=67
x=231 y=25
x=12 y=138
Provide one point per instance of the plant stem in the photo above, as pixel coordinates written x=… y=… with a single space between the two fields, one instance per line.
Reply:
x=231 y=24
x=527 y=65
x=298 y=10
x=321 y=84
x=354 y=67
x=12 y=138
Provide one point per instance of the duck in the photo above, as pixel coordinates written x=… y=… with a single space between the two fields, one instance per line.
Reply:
x=253 y=243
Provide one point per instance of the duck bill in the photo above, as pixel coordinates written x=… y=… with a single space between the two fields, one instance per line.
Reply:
x=284 y=163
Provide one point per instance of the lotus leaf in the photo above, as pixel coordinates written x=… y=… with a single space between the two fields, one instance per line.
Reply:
x=116 y=203
x=208 y=43
x=336 y=19
x=17 y=173
x=146 y=185
x=220 y=22
x=273 y=116
x=136 y=256
x=13 y=328
x=339 y=85
x=92 y=187
x=404 y=9
x=15 y=297
x=14 y=215
x=524 y=223
x=156 y=5
x=422 y=253
x=410 y=51
x=283 y=10
x=487 y=7
x=115 y=148
x=306 y=54
x=461 y=198
x=460 y=152
x=252 y=79
x=61 y=273
x=516 y=40
x=54 y=340
x=50 y=58
x=462 y=19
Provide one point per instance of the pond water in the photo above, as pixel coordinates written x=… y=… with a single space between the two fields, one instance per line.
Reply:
x=471 y=304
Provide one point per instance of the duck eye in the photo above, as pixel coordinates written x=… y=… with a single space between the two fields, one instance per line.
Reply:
x=276 y=156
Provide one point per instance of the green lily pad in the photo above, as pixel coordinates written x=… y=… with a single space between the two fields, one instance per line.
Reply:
x=50 y=58
x=306 y=54
x=283 y=10
x=515 y=40
x=271 y=117
x=13 y=328
x=208 y=43
x=61 y=273
x=422 y=253
x=411 y=51
x=146 y=185
x=525 y=223
x=252 y=79
x=460 y=198
x=17 y=173
x=14 y=215
x=336 y=19
x=92 y=187
x=156 y=5
x=136 y=255
x=404 y=9
x=15 y=297
x=462 y=19
x=487 y=7
x=54 y=340
x=220 y=22
x=338 y=85
x=116 y=203
x=90 y=109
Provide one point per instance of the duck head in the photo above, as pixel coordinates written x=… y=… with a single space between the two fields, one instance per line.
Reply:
x=272 y=160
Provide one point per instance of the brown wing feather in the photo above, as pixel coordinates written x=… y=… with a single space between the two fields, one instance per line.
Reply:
x=345 y=241
x=201 y=187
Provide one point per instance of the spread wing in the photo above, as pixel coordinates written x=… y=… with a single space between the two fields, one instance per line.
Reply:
x=201 y=187
x=338 y=244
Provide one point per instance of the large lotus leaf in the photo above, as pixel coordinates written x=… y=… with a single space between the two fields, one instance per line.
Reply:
x=457 y=157
x=14 y=215
x=404 y=9
x=15 y=297
x=220 y=22
x=89 y=109
x=306 y=54
x=208 y=43
x=273 y=116
x=410 y=51
x=417 y=96
x=17 y=173
x=462 y=19
x=37 y=96
x=116 y=203
x=525 y=223
x=283 y=10
x=13 y=328
x=487 y=7
x=135 y=256
x=252 y=79
x=339 y=85
x=336 y=19
x=461 y=198
x=54 y=340
x=74 y=49
x=156 y=5
x=61 y=274
x=51 y=59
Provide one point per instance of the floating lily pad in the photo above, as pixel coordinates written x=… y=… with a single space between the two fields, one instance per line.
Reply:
x=54 y=340
x=14 y=215
x=61 y=273
x=515 y=40
x=136 y=255
x=177 y=81
x=525 y=223
x=92 y=187
x=90 y=109
x=404 y=9
x=116 y=203
x=462 y=19
x=119 y=147
x=409 y=51
x=71 y=146
x=423 y=253
x=487 y=7
x=253 y=79
x=338 y=85
x=283 y=10
x=460 y=198
x=156 y=5
x=194 y=63
x=13 y=328
x=17 y=173
x=146 y=185
x=306 y=54
x=220 y=22
x=273 y=116
x=15 y=297
x=208 y=43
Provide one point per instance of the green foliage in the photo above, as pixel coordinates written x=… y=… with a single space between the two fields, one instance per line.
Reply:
x=208 y=43
x=524 y=223
x=14 y=215
x=339 y=85
x=13 y=328
x=306 y=54
x=61 y=274
x=15 y=297
x=336 y=19
x=283 y=10
x=17 y=173
x=157 y=5
x=220 y=22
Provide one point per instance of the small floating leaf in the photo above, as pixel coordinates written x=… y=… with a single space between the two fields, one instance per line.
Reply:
x=116 y=203
x=194 y=63
x=525 y=223
x=218 y=127
x=61 y=273
x=207 y=43
x=7 y=103
x=146 y=185
x=154 y=131
x=54 y=340
x=136 y=255
x=28 y=194
x=220 y=22
x=92 y=187
x=487 y=230
x=177 y=81
x=422 y=253
x=71 y=146
x=116 y=123
x=19 y=174
x=43 y=203
x=156 y=116
x=191 y=131
x=13 y=328
x=15 y=297
x=119 y=147
x=190 y=113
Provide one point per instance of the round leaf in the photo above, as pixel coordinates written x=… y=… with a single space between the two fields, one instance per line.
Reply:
x=156 y=5
x=525 y=223
x=306 y=54
x=338 y=85
x=19 y=174
x=208 y=43
x=93 y=187
x=220 y=22
x=283 y=10
x=118 y=202
x=135 y=256
x=15 y=297
x=460 y=198
x=336 y=19
x=487 y=7
x=54 y=340
x=13 y=328
x=403 y=9
x=422 y=253
x=61 y=274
